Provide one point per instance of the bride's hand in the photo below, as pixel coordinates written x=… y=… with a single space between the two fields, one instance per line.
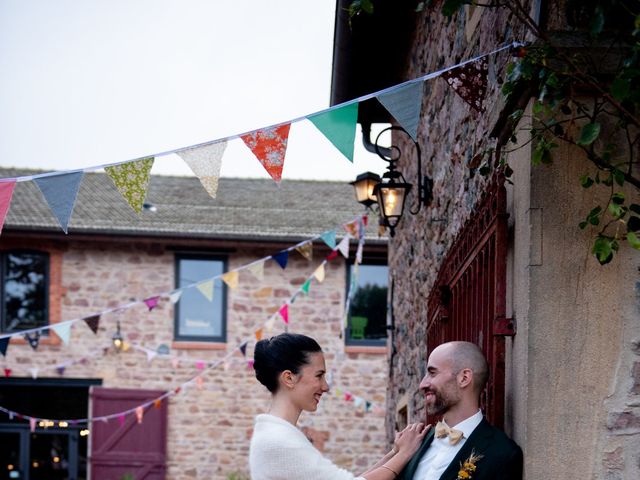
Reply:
x=409 y=440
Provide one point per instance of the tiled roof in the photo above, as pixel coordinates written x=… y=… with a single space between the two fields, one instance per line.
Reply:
x=244 y=208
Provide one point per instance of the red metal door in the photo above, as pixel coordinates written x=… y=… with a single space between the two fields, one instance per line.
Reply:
x=135 y=449
x=468 y=301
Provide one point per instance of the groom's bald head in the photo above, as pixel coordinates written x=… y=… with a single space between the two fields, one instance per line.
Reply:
x=467 y=355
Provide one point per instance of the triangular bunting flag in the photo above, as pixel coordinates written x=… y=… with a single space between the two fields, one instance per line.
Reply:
x=305 y=287
x=470 y=82
x=257 y=270
x=329 y=237
x=199 y=382
x=4 y=344
x=63 y=330
x=332 y=255
x=206 y=288
x=282 y=258
x=243 y=349
x=339 y=126
x=139 y=413
x=269 y=146
x=175 y=362
x=34 y=373
x=231 y=279
x=359 y=252
x=175 y=296
x=405 y=104
x=7 y=372
x=319 y=273
x=352 y=228
x=306 y=250
x=358 y=402
x=151 y=354
x=60 y=369
x=284 y=313
x=201 y=364
x=258 y=334
x=132 y=180
x=60 y=192
x=32 y=424
x=6 y=192
x=121 y=419
x=34 y=340
x=93 y=323
x=269 y=324
x=205 y=162
x=157 y=403
x=367 y=406
x=152 y=302
x=343 y=247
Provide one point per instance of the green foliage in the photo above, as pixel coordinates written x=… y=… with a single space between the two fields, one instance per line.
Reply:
x=237 y=476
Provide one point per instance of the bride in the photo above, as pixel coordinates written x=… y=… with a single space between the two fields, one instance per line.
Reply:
x=292 y=368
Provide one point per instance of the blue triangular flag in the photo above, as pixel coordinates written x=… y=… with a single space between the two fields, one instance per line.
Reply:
x=329 y=237
x=282 y=258
x=60 y=192
x=4 y=344
x=405 y=104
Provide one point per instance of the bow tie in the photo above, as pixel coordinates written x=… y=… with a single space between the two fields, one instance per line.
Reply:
x=443 y=430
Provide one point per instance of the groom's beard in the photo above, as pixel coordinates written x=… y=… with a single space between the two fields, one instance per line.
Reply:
x=443 y=399
x=439 y=405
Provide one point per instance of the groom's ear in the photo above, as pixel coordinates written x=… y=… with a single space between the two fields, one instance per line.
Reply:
x=465 y=378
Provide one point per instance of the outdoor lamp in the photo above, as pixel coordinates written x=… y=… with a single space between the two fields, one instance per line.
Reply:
x=117 y=338
x=364 y=185
x=390 y=192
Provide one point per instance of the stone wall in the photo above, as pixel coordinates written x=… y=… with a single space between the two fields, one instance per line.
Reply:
x=209 y=429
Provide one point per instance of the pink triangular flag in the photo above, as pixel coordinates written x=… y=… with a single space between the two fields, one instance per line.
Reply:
x=6 y=192
x=269 y=145
x=139 y=413
x=32 y=424
x=152 y=302
x=284 y=313
x=200 y=365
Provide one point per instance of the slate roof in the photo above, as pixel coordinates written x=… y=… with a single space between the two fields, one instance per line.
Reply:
x=247 y=209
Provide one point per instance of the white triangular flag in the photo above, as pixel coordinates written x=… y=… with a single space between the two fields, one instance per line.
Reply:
x=206 y=288
x=319 y=273
x=343 y=246
x=175 y=296
x=34 y=373
x=205 y=162
x=63 y=330
x=257 y=270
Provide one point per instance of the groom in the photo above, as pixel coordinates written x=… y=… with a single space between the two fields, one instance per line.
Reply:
x=456 y=375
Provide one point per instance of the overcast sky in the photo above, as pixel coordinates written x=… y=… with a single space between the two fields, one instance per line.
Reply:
x=88 y=82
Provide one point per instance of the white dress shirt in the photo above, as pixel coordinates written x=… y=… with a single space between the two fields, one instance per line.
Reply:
x=440 y=453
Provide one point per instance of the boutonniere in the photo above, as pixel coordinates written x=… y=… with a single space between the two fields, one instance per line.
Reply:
x=468 y=467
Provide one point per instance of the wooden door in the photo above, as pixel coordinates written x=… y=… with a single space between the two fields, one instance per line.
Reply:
x=132 y=450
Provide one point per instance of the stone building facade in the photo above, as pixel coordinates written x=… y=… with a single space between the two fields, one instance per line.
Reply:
x=110 y=258
x=571 y=370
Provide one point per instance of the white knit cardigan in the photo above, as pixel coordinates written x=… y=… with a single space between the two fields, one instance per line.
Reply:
x=279 y=451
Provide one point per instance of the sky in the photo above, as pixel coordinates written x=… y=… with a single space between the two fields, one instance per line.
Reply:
x=90 y=82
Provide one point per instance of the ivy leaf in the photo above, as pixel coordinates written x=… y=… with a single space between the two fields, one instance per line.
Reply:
x=586 y=181
x=597 y=22
x=618 y=198
x=635 y=208
x=633 y=240
x=633 y=224
x=589 y=134
x=603 y=250
x=582 y=225
x=451 y=6
x=618 y=176
x=617 y=211
x=367 y=6
x=620 y=89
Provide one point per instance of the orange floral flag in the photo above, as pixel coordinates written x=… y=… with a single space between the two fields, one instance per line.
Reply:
x=269 y=145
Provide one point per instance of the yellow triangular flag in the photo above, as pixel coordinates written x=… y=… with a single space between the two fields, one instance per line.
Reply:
x=306 y=250
x=206 y=288
x=257 y=270
x=269 y=324
x=231 y=278
x=319 y=273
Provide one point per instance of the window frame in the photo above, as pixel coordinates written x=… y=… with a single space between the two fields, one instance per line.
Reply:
x=348 y=341
x=222 y=338
x=47 y=289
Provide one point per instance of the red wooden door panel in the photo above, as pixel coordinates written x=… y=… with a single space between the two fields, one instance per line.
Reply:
x=136 y=449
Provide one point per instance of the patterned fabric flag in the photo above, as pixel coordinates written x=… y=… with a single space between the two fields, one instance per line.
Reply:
x=175 y=296
x=305 y=287
x=282 y=258
x=6 y=192
x=63 y=330
x=205 y=162
x=132 y=180
x=339 y=126
x=319 y=273
x=470 y=82
x=93 y=323
x=405 y=104
x=34 y=340
x=257 y=270
x=152 y=302
x=60 y=193
x=231 y=279
x=353 y=228
x=269 y=145
x=4 y=344
x=329 y=237
x=306 y=250
x=139 y=413
x=206 y=289
x=284 y=313
x=343 y=246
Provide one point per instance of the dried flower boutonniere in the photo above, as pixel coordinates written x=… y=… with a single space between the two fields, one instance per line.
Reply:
x=468 y=467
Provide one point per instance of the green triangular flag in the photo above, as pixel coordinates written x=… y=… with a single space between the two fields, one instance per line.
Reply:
x=305 y=287
x=339 y=126
x=132 y=180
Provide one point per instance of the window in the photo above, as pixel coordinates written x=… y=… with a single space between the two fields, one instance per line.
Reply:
x=368 y=308
x=25 y=290
x=196 y=318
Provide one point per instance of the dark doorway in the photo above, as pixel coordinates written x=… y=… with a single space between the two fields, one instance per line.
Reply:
x=54 y=450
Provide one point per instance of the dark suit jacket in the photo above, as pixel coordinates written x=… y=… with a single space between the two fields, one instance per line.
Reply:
x=502 y=457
